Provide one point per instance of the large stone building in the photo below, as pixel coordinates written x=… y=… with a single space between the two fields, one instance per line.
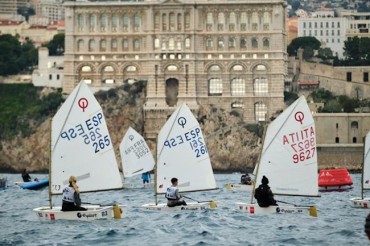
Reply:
x=224 y=54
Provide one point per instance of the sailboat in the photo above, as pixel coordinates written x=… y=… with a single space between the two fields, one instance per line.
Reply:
x=364 y=202
x=182 y=153
x=289 y=160
x=81 y=147
x=136 y=155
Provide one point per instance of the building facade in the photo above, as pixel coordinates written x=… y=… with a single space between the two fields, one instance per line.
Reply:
x=224 y=54
x=325 y=27
x=8 y=9
x=49 y=72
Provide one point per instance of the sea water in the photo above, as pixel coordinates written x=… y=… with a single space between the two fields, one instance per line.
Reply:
x=337 y=222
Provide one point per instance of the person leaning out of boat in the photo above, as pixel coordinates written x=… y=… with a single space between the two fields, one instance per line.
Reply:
x=173 y=196
x=264 y=195
x=71 y=197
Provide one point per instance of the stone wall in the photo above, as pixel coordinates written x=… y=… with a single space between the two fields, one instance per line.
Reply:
x=340 y=157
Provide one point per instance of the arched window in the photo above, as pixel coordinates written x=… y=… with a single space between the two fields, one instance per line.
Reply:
x=156 y=43
x=255 y=21
x=131 y=69
x=260 y=111
x=243 y=43
x=164 y=22
x=108 y=75
x=214 y=68
x=85 y=74
x=209 y=43
x=232 y=18
x=209 y=18
x=266 y=43
x=80 y=45
x=114 y=45
x=136 y=44
x=172 y=68
x=137 y=22
x=103 y=22
x=126 y=22
x=237 y=87
x=80 y=22
x=243 y=21
x=215 y=87
x=125 y=44
x=114 y=22
x=92 y=21
x=260 y=86
x=187 y=43
x=103 y=45
x=232 y=42
x=156 y=21
x=220 y=43
x=254 y=43
x=354 y=140
x=171 y=44
x=91 y=45
x=172 y=21
x=354 y=124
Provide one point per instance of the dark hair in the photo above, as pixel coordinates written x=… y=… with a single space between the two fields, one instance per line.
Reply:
x=173 y=180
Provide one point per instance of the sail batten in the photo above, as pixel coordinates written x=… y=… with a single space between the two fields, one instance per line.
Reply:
x=182 y=153
x=81 y=145
x=289 y=150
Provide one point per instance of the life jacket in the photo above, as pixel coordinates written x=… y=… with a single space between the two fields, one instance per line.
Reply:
x=171 y=193
x=262 y=195
x=68 y=194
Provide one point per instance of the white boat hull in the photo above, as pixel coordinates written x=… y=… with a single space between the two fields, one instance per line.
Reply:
x=335 y=188
x=255 y=209
x=189 y=207
x=94 y=212
x=239 y=187
x=359 y=202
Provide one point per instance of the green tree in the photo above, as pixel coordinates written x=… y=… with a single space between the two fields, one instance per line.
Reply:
x=321 y=95
x=303 y=42
x=332 y=106
x=56 y=45
x=325 y=53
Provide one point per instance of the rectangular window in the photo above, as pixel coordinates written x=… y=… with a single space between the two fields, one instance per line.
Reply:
x=215 y=87
x=349 y=76
x=366 y=77
x=50 y=76
x=58 y=76
x=338 y=24
x=337 y=140
x=304 y=24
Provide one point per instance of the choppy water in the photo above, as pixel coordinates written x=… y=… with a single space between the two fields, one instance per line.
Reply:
x=337 y=224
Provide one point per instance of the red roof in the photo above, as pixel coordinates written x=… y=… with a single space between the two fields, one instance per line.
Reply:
x=10 y=23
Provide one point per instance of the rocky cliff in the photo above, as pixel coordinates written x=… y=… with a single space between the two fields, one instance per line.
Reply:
x=232 y=147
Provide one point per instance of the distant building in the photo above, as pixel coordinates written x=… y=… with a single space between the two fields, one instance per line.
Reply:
x=53 y=10
x=50 y=70
x=226 y=54
x=8 y=9
x=325 y=27
x=12 y=27
x=332 y=31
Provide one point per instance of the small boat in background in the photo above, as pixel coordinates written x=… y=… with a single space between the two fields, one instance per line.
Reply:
x=335 y=180
x=3 y=183
x=35 y=185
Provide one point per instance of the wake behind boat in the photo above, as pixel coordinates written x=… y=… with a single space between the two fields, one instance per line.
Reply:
x=81 y=146
x=136 y=157
x=182 y=153
x=364 y=202
x=289 y=160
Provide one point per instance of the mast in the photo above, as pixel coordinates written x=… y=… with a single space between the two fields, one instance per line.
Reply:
x=363 y=167
x=50 y=196
x=155 y=173
x=258 y=161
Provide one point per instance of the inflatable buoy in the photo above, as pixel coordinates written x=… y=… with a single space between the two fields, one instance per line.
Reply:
x=117 y=211
x=212 y=204
x=229 y=186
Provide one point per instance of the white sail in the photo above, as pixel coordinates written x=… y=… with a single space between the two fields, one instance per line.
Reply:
x=289 y=158
x=182 y=153
x=366 y=167
x=81 y=145
x=135 y=154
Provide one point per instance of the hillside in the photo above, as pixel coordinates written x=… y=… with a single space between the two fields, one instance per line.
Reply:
x=232 y=145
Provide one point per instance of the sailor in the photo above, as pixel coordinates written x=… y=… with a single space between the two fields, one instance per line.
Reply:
x=146 y=178
x=71 y=197
x=25 y=176
x=264 y=195
x=246 y=179
x=173 y=196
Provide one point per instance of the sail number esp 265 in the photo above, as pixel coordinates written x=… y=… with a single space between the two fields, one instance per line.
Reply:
x=193 y=138
x=90 y=132
x=302 y=144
